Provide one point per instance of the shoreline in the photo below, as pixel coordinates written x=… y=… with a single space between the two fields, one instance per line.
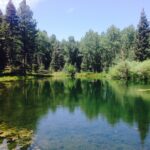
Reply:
x=63 y=75
x=55 y=75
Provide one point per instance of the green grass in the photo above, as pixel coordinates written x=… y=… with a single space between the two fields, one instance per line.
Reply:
x=9 y=78
x=13 y=78
x=90 y=75
x=143 y=90
x=54 y=75
x=60 y=74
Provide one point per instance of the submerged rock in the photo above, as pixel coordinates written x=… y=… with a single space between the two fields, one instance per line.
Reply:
x=4 y=145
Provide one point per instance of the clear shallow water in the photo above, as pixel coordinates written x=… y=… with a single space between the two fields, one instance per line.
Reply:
x=75 y=114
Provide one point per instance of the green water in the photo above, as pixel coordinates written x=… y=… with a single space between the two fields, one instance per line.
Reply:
x=75 y=115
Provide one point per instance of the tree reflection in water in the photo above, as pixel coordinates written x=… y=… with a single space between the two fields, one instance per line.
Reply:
x=23 y=103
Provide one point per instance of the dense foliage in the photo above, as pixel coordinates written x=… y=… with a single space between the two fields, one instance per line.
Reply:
x=24 y=49
x=135 y=71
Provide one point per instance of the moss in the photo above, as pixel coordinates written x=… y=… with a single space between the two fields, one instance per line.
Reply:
x=15 y=136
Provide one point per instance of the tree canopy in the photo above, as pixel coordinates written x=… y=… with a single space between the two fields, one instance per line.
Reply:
x=24 y=48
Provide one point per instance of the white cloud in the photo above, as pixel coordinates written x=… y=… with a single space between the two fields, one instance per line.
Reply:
x=70 y=10
x=32 y=3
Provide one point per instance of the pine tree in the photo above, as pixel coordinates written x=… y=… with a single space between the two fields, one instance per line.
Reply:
x=28 y=34
x=142 y=51
x=3 y=59
x=13 y=40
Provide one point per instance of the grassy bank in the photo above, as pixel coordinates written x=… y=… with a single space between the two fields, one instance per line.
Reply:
x=125 y=70
x=90 y=75
x=7 y=78
x=14 y=78
x=81 y=75
x=54 y=75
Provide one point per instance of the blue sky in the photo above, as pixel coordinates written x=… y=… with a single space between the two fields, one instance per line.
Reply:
x=75 y=17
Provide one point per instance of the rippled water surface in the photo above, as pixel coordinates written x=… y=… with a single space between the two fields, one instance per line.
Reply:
x=74 y=115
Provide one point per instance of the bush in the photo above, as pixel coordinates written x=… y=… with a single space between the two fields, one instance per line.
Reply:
x=120 y=71
x=137 y=71
x=142 y=71
x=70 y=69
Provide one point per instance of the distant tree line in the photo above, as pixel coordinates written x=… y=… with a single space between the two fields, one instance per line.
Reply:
x=24 y=48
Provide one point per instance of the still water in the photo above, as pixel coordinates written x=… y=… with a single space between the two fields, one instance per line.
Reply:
x=74 y=115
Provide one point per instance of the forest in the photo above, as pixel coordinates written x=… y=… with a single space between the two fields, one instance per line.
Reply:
x=121 y=53
x=73 y=94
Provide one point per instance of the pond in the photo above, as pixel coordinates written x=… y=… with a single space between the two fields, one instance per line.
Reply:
x=67 y=114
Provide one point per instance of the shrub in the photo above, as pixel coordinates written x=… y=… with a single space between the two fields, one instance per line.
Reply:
x=137 y=71
x=142 y=71
x=120 y=71
x=70 y=69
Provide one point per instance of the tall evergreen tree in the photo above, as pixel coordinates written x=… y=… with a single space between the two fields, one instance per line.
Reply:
x=142 y=51
x=13 y=41
x=3 y=54
x=28 y=34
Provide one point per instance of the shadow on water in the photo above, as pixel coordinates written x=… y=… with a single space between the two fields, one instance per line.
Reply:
x=24 y=103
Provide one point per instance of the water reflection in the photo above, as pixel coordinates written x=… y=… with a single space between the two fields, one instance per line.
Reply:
x=23 y=104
